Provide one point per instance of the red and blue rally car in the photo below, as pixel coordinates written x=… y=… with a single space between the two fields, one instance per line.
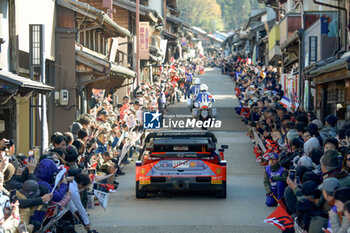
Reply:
x=181 y=160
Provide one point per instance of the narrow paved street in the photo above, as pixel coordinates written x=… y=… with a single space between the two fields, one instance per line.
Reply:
x=243 y=210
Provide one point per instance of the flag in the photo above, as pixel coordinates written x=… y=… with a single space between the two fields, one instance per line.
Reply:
x=280 y=218
x=94 y=165
x=99 y=94
x=285 y=101
x=266 y=154
x=238 y=91
x=258 y=159
x=102 y=198
x=245 y=112
x=271 y=144
x=92 y=177
x=59 y=177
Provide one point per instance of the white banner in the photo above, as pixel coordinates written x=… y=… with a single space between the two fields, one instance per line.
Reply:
x=102 y=197
x=258 y=141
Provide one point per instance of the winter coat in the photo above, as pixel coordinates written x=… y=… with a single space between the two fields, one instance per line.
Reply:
x=317 y=223
x=336 y=227
x=25 y=213
x=45 y=173
x=342 y=176
x=17 y=181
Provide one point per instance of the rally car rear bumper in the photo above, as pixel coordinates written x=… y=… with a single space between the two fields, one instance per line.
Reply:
x=182 y=184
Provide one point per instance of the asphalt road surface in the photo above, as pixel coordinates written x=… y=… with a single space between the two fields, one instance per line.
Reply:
x=243 y=210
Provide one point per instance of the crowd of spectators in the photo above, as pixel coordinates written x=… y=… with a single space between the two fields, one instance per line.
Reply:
x=306 y=160
x=93 y=150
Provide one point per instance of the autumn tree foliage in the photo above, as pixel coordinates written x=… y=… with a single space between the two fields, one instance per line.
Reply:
x=205 y=14
x=217 y=14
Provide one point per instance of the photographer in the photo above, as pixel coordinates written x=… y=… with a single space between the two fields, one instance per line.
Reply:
x=9 y=212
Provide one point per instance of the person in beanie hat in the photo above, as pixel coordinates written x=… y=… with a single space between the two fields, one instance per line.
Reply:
x=274 y=180
x=330 y=128
x=310 y=191
x=341 y=196
x=330 y=168
x=71 y=160
x=75 y=128
x=309 y=217
x=29 y=198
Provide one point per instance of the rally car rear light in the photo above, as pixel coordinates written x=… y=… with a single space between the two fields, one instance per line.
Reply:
x=223 y=163
x=138 y=163
x=203 y=179
x=204 y=106
x=149 y=159
x=158 y=180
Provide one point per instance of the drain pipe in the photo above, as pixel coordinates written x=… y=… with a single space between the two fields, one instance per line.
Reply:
x=346 y=20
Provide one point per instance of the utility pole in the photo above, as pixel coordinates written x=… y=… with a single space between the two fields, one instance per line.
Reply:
x=301 y=51
x=137 y=42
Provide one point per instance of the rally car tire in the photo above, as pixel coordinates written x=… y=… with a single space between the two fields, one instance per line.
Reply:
x=222 y=193
x=140 y=193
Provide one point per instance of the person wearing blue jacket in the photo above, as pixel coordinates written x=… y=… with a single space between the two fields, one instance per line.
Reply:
x=204 y=96
x=195 y=89
x=46 y=172
x=188 y=82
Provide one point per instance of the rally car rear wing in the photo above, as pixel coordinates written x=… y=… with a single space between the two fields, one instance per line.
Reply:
x=182 y=154
x=180 y=134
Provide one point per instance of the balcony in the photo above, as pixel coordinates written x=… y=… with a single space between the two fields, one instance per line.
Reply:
x=274 y=46
x=289 y=24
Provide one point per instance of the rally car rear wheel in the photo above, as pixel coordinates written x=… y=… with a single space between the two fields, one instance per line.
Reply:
x=140 y=193
x=222 y=193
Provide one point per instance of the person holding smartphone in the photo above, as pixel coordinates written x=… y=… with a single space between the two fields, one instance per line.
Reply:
x=274 y=180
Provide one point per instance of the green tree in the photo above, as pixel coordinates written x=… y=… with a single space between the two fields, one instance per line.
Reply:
x=235 y=13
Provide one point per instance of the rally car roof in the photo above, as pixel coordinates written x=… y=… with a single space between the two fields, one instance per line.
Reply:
x=186 y=134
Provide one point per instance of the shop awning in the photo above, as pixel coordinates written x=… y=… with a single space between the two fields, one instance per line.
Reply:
x=12 y=84
x=100 y=64
x=289 y=40
x=169 y=35
x=330 y=71
x=144 y=10
x=177 y=21
x=122 y=71
x=100 y=16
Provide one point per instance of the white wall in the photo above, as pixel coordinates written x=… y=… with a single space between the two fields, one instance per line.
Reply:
x=310 y=6
x=4 y=33
x=36 y=12
x=156 y=5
